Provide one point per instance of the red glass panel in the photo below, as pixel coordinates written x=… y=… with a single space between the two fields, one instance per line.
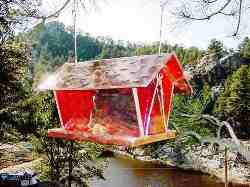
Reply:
x=174 y=68
x=145 y=96
x=175 y=73
x=168 y=93
x=75 y=108
x=155 y=123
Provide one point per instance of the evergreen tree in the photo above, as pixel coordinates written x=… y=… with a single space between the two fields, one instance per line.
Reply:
x=234 y=102
x=216 y=48
x=244 y=48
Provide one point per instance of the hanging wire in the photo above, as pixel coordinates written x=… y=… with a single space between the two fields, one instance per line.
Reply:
x=75 y=35
x=162 y=5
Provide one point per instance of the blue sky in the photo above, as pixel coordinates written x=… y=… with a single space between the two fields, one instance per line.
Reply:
x=139 y=21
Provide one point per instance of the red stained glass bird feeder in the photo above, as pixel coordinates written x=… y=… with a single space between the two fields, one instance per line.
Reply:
x=121 y=101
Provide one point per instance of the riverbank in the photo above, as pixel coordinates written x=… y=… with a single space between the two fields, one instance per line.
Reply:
x=11 y=155
x=125 y=172
x=198 y=158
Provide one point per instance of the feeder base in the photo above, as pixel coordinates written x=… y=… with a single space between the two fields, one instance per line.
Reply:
x=108 y=138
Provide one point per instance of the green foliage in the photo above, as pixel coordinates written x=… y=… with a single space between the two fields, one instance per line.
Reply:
x=191 y=55
x=234 y=102
x=14 y=60
x=53 y=40
x=53 y=43
x=36 y=113
x=216 y=48
x=186 y=55
x=13 y=67
x=187 y=119
x=13 y=70
x=13 y=13
x=187 y=113
x=112 y=49
x=244 y=48
x=67 y=162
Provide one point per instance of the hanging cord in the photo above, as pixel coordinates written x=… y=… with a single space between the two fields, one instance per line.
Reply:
x=162 y=103
x=162 y=5
x=151 y=106
x=75 y=41
x=160 y=94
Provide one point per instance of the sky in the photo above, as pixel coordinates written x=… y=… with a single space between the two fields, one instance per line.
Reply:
x=139 y=21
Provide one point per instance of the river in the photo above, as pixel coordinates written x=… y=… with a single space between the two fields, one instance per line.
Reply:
x=123 y=172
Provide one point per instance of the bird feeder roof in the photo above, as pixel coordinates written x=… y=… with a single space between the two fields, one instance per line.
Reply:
x=125 y=72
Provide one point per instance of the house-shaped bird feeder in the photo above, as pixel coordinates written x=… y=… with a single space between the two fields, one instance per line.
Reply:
x=120 y=101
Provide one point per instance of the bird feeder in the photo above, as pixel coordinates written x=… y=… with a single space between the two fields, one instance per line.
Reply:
x=121 y=101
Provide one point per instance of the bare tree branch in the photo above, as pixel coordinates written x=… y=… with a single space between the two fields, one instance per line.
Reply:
x=228 y=14
x=239 y=19
x=54 y=14
x=209 y=2
x=188 y=16
x=203 y=10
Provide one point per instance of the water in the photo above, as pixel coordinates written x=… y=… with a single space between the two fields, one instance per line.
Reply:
x=129 y=173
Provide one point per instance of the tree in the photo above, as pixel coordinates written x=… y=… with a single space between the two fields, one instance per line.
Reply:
x=234 y=102
x=13 y=53
x=54 y=40
x=215 y=48
x=204 y=10
x=70 y=163
x=186 y=55
x=13 y=66
x=14 y=12
x=14 y=57
x=191 y=55
x=187 y=113
x=244 y=48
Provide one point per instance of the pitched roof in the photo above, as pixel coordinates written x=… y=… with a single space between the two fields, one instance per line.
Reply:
x=125 y=72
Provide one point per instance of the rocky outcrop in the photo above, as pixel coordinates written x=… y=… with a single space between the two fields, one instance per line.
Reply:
x=213 y=71
x=209 y=161
x=26 y=166
x=13 y=154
